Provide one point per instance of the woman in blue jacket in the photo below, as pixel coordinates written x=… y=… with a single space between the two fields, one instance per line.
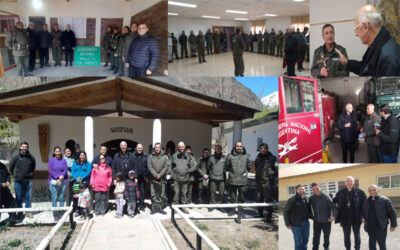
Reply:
x=81 y=169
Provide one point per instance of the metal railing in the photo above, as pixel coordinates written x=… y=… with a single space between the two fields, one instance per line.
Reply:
x=199 y=234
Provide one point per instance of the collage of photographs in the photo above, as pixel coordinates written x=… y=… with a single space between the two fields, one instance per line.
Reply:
x=200 y=124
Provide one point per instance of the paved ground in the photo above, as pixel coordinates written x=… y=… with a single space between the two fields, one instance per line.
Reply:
x=360 y=156
x=336 y=239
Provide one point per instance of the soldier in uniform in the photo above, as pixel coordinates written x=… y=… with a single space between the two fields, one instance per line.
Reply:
x=193 y=176
x=279 y=42
x=260 y=42
x=174 y=46
x=246 y=39
x=266 y=171
x=224 y=41
x=18 y=42
x=158 y=164
x=192 y=44
x=237 y=165
x=113 y=49
x=182 y=165
x=209 y=39
x=202 y=169
x=272 y=42
x=56 y=49
x=32 y=47
x=121 y=43
x=251 y=41
x=326 y=60
x=238 y=45
x=217 y=37
x=266 y=41
x=128 y=40
x=106 y=45
x=201 y=40
x=183 y=43
x=217 y=169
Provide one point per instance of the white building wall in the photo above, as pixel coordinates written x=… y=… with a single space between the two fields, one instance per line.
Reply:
x=340 y=13
x=278 y=23
x=267 y=131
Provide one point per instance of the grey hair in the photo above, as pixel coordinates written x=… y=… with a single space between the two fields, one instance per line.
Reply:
x=349 y=177
x=372 y=18
x=181 y=144
x=139 y=145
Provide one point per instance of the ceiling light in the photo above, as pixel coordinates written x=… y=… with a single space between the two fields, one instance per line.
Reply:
x=299 y=0
x=172 y=14
x=269 y=14
x=241 y=19
x=37 y=4
x=182 y=4
x=212 y=17
x=236 y=11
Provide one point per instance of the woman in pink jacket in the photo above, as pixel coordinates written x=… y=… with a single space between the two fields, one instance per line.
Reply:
x=100 y=181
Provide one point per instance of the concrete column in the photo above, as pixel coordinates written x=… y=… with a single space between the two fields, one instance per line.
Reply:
x=89 y=137
x=156 y=131
x=237 y=132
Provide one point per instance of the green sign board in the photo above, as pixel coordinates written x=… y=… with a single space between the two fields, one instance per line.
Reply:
x=87 y=56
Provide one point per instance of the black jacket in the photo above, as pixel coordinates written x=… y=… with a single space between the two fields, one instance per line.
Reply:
x=389 y=136
x=140 y=164
x=68 y=39
x=322 y=208
x=44 y=39
x=349 y=134
x=183 y=40
x=296 y=208
x=292 y=48
x=22 y=166
x=4 y=175
x=384 y=212
x=358 y=199
x=266 y=168
x=32 y=38
x=122 y=163
x=131 y=190
x=382 y=57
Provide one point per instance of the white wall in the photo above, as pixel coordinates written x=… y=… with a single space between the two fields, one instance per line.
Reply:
x=278 y=23
x=268 y=131
x=88 y=8
x=340 y=13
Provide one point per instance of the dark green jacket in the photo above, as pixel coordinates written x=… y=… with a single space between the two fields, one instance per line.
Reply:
x=238 y=45
x=335 y=68
x=107 y=40
x=182 y=165
x=217 y=167
x=209 y=37
x=202 y=166
x=272 y=38
x=279 y=39
x=238 y=166
x=18 y=42
x=192 y=39
x=369 y=127
x=158 y=164
x=266 y=168
x=114 y=41
x=121 y=43
x=194 y=174
x=56 y=37
x=201 y=40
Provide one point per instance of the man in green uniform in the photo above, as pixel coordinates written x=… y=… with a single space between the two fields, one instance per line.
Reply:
x=192 y=44
x=266 y=42
x=251 y=38
x=272 y=42
x=279 y=42
x=56 y=49
x=158 y=165
x=106 y=45
x=266 y=172
x=193 y=176
x=174 y=46
x=326 y=60
x=238 y=45
x=121 y=44
x=260 y=42
x=18 y=42
x=217 y=44
x=247 y=40
x=202 y=169
x=113 y=49
x=200 y=41
x=128 y=40
x=182 y=165
x=238 y=165
x=217 y=169
x=183 y=43
x=209 y=39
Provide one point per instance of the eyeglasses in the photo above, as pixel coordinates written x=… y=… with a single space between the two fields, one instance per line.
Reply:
x=355 y=28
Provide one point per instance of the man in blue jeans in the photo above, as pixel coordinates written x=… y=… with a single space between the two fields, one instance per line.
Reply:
x=22 y=166
x=296 y=214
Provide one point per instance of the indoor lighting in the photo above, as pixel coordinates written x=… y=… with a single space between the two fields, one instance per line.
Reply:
x=212 y=17
x=37 y=4
x=236 y=11
x=299 y=0
x=269 y=14
x=182 y=4
x=172 y=14
x=241 y=19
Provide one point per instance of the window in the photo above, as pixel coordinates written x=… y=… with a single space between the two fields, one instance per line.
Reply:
x=292 y=96
x=308 y=96
x=388 y=181
x=291 y=190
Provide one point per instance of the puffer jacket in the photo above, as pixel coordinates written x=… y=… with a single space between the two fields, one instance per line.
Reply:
x=182 y=165
x=158 y=164
x=266 y=168
x=144 y=52
x=22 y=166
x=238 y=165
x=217 y=167
x=384 y=212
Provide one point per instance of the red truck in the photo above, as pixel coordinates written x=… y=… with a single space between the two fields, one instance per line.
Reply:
x=306 y=120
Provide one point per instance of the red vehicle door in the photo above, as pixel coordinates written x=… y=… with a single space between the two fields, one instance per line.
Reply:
x=299 y=121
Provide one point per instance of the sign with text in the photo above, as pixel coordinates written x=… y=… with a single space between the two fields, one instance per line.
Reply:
x=87 y=56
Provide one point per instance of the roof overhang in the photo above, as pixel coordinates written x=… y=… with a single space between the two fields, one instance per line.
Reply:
x=74 y=97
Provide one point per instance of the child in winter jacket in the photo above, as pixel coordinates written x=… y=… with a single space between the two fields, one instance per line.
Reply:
x=119 y=194
x=131 y=193
x=83 y=200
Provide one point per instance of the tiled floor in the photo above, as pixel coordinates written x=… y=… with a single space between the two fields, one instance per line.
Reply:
x=222 y=65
